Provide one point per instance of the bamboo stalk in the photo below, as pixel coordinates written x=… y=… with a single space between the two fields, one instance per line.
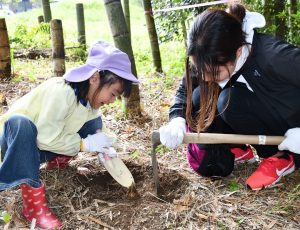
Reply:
x=5 y=62
x=80 y=24
x=58 y=48
x=47 y=10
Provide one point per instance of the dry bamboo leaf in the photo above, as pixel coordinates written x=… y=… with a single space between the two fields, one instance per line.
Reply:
x=83 y=171
x=271 y=225
x=6 y=226
x=104 y=202
x=100 y=222
x=180 y=208
x=202 y=216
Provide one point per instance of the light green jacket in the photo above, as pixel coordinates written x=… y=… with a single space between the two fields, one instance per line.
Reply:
x=53 y=108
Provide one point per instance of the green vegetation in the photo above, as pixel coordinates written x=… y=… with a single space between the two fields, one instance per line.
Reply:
x=161 y=149
x=4 y=216
x=282 y=17
x=25 y=32
x=36 y=36
x=233 y=186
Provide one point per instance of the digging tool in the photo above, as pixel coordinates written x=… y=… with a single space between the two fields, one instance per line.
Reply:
x=212 y=138
x=117 y=169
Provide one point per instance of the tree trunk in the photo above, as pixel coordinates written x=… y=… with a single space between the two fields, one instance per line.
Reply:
x=293 y=10
x=127 y=15
x=5 y=62
x=152 y=35
x=47 y=10
x=122 y=41
x=58 y=48
x=293 y=6
x=268 y=12
x=280 y=21
x=183 y=27
x=81 y=25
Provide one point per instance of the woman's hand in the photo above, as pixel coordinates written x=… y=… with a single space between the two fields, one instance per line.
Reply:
x=171 y=135
x=291 y=141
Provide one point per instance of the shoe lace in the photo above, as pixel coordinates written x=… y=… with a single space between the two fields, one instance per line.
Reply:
x=267 y=163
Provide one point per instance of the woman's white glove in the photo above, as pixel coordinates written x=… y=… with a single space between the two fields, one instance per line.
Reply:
x=97 y=142
x=171 y=135
x=291 y=141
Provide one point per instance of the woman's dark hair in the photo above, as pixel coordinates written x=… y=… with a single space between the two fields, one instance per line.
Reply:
x=213 y=41
x=106 y=78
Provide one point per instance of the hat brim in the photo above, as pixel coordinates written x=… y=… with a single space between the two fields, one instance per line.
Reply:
x=80 y=73
x=124 y=75
x=85 y=71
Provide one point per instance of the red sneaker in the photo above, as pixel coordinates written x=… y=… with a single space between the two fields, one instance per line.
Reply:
x=243 y=155
x=270 y=171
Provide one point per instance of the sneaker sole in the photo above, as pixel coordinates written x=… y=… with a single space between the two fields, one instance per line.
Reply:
x=289 y=171
x=250 y=161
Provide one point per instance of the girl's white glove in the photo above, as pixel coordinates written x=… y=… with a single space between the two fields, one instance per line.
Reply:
x=291 y=141
x=107 y=154
x=171 y=135
x=97 y=142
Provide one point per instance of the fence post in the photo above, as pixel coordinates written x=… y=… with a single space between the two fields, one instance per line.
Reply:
x=41 y=19
x=5 y=62
x=58 y=49
x=81 y=25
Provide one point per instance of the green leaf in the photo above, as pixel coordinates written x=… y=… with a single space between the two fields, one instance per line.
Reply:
x=5 y=217
x=233 y=186
x=136 y=154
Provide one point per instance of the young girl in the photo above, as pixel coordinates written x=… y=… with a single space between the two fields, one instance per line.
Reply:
x=239 y=81
x=60 y=118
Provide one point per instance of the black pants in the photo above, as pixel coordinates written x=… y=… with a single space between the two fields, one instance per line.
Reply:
x=244 y=113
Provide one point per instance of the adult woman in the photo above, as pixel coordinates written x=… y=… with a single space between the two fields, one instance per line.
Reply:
x=243 y=82
x=57 y=119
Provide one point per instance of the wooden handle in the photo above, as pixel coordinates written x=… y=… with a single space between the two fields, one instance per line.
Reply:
x=220 y=138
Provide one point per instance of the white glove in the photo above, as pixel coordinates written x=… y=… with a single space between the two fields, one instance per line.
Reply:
x=171 y=135
x=97 y=142
x=291 y=141
x=107 y=154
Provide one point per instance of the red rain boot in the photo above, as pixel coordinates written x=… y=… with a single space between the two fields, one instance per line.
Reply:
x=35 y=206
x=58 y=162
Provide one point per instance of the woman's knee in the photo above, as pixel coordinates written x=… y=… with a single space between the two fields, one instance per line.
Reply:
x=211 y=161
x=223 y=102
x=230 y=105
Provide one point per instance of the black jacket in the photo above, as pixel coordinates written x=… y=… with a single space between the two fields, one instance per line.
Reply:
x=273 y=72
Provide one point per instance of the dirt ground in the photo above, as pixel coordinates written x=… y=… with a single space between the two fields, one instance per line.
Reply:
x=185 y=200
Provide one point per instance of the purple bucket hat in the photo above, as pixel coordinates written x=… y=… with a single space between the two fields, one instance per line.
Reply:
x=102 y=56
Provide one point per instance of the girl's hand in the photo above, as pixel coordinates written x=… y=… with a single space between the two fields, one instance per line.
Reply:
x=97 y=142
x=291 y=141
x=107 y=154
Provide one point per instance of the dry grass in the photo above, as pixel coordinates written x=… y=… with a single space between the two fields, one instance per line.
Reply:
x=186 y=201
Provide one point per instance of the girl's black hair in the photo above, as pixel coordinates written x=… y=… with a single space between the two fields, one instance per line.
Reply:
x=213 y=41
x=106 y=78
x=215 y=37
